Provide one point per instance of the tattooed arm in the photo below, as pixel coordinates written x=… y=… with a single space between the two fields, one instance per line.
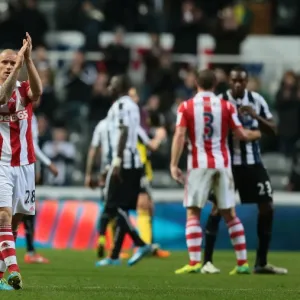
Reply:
x=8 y=86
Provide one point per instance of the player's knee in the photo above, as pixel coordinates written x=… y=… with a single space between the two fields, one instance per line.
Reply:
x=228 y=214
x=215 y=210
x=5 y=216
x=193 y=212
x=16 y=221
x=143 y=202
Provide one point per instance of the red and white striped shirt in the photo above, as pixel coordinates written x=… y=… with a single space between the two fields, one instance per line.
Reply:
x=208 y=120
x=16 y=144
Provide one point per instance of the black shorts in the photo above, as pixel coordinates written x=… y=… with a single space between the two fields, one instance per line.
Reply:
x=252 y=183
x=124 y=193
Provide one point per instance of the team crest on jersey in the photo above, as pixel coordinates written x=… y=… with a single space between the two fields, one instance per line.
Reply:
x=11 y=100
x=246 y=120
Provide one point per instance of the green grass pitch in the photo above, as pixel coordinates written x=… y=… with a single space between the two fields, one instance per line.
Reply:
x=72 y=275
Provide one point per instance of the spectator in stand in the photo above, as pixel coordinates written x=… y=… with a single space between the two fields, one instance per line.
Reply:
x=100 y=100
x=171 y=115
x=117 y=55
x=66 y=14
x=222 y=81
x=152 y=65
x=43 y=129
x=165 y=81
x=153 y=109
x=33 y=21
x=187 y=89
x=187 y=27
x=41 y=58
x=156 y=119
x=91 y=20
x=78 y=82
x=228 y=35
x=294 y=178
x=62 y=154
x=48 y=103
x=288 y=109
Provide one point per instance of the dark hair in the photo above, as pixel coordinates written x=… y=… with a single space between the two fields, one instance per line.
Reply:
x=124 y=84
x=206 y=79
x=239 y=69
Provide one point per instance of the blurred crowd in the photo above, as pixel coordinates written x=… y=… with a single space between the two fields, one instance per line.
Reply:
x=76 y=98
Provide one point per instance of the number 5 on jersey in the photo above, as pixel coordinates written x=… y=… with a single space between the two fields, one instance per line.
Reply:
x=208 y=125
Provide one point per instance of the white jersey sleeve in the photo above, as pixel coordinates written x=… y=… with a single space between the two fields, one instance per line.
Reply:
x=264 y=110
x=43 y=158
x=38 y=152
x=96 y=140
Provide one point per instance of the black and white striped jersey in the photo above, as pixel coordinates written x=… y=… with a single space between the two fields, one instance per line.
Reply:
x=125 y=112
x=247 y=153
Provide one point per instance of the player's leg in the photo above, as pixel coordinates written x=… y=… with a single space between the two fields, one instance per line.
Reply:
x=124 y=226
x=124 y=193
x=31 y=256
x=197 y=186
x=145 y=218
x=23 y=204
x=211 y=231
x=224 y=191
x=144 y=215
x=264 y=223
x=29 y=233
x=7 y=241
x=104 y=221
x=7 y=245
x=144 y=247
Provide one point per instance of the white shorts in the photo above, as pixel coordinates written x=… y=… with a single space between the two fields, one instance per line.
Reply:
x=17 y=189
x=199 y=182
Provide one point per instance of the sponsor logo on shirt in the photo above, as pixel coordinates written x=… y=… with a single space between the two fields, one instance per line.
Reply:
x=14 y=117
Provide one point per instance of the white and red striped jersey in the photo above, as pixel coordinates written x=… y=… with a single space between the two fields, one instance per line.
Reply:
x=208 y=120
x=16 y=145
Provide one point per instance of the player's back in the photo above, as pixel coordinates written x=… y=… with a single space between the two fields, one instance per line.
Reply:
x=208 y=121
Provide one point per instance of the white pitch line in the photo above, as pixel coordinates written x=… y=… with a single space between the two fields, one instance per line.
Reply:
x=176 y=288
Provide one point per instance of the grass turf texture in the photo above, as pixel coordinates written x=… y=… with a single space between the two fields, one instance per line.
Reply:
x=73 y=275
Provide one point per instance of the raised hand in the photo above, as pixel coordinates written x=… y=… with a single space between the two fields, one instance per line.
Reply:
x=20 y=55
x=29 y=48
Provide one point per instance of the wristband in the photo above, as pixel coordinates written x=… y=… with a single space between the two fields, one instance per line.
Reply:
x=116 y=162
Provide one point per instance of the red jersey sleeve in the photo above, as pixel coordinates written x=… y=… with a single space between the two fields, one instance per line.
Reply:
x=234 y=121
x=181 y=120
x=24 y=90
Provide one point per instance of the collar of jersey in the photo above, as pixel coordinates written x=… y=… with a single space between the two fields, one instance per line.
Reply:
x=205 y=94
x=233 y=99
x=126 y=97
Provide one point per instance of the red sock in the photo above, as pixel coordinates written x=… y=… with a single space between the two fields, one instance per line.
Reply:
x=193 y=234
x=2 y=266
x=8 y=248
x=238 y=240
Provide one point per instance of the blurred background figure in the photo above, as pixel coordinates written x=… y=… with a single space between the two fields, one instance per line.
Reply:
x=100 y=101
x=228 y=34
x=117 y=55
x=62 y=154
x=288 y=108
